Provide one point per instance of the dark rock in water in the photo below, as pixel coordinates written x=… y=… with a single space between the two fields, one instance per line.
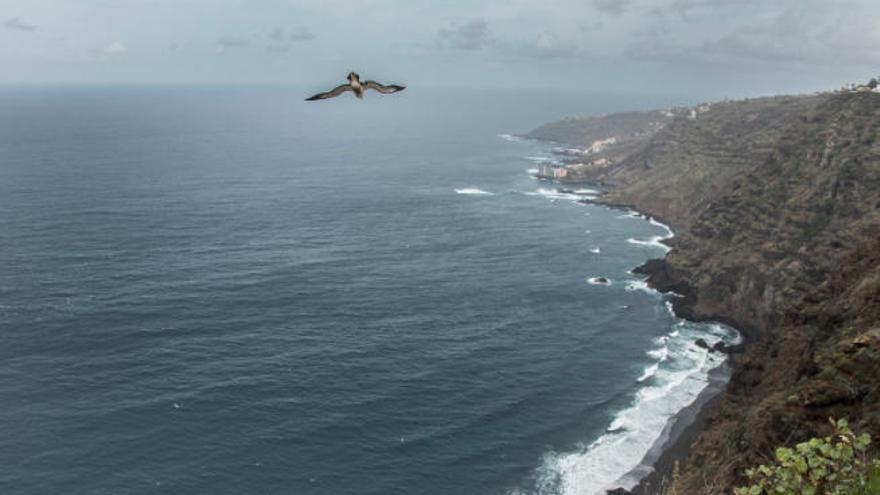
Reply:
x=618 y=491
x=702 y=343
x=650 y=267
x=664 y=278
x=601 y=280
x=728 y=349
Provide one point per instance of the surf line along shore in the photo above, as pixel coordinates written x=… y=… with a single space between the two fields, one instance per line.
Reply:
x=673 y=445
x=673 y=402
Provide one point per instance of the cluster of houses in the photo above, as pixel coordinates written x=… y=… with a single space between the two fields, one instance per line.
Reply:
x=701 y=108
x=871 y=86
x=568 y=171
x=571 y=169
x=554 y=172
x=691 y=113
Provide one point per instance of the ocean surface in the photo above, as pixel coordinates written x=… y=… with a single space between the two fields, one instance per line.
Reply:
x=230 y=290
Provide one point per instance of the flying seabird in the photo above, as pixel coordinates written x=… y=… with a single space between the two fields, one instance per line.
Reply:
x=355 y=84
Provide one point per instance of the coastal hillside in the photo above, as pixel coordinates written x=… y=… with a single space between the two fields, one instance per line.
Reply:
x=623 y=126
x=776 y=207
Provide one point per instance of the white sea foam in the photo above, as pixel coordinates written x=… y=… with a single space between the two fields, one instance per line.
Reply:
x=655 y=241
x=668 y=385
x=553 y=194
x=669 y=232
x=722 y=331
x=509 y=137
x=652 y=242
x=649 y=372
x=659 y=354
x=631 y=214
x=533 y=171
x=595 y=250
x=597 y=281
x=642 y=285
x=590 y=192
x=473 y=190
x=637 y=285
x=542 y=159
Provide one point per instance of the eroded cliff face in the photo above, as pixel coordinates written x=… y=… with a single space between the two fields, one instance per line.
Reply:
x=776 y=207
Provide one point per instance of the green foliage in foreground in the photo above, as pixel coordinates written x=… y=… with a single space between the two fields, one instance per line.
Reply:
x=835 y=465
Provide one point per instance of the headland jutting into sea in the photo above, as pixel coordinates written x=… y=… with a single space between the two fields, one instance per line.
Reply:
x=776 y=207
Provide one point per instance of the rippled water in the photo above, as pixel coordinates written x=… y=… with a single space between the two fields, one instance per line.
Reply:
x=232 y=291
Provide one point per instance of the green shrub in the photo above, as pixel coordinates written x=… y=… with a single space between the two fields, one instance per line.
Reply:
x=835 y=465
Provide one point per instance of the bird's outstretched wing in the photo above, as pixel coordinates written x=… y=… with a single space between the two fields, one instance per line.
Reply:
x=391 y=88
x=338 y=90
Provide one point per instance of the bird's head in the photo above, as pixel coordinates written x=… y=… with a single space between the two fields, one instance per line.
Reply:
x=353 y=76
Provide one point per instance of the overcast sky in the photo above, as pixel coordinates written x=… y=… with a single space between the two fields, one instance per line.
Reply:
x=736 y=47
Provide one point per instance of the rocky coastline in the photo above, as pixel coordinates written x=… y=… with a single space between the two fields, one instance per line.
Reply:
x=776 y=207
x=672 y=448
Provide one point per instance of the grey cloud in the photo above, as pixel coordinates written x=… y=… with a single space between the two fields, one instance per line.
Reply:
x=300 y=33
x=686 y=9
x=548 y=46
x=472 y=35
x=612 y=7
x=116 y=48
x=277 y=39
x=278 y=34
x=475 y=35
x=808 y=33
x=227 y=42
x=590 y=26
x=819 y=38
x=16 y=24
x=281 y=39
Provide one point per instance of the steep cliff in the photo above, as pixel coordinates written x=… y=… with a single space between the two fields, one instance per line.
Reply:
x=776 y=207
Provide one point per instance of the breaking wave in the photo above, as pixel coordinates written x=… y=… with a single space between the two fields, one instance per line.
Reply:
x=652 y=242
x=553 y=194
x=641 y=285
x=677 y=375
x=657 y=240
x=473 y=190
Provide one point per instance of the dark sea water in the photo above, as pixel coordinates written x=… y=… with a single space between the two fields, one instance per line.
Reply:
x=230 y=291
